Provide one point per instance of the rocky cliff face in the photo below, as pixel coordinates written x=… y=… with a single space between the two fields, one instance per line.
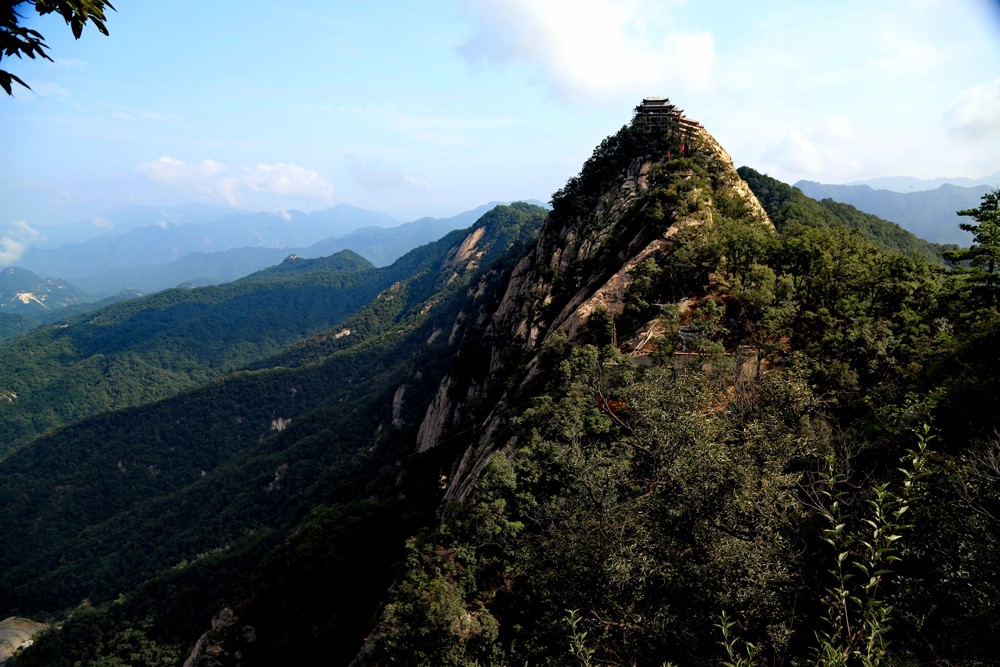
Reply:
x=582 y=261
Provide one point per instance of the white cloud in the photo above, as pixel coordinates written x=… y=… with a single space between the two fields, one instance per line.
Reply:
x=69 y=63
x=903 y=55
x=839 y=126
x=39 y=89
x=796 y=154
x=48 y=89
x=440 y=129
x=10 y=250
x=212 y=180
x=14 y=240
x=975 y=114
x=594 y=50
x=826 y=152
x=131 y=115
x=314 y=109
x=287 y=180
x=63 y=198
x=376 y=175
x=100 y=222
x=24 y=229
x=207 y=179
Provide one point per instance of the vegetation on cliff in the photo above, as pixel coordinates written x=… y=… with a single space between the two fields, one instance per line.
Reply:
x=787 y=205
x=233 y=491
x=654 y=430
x=679 y=510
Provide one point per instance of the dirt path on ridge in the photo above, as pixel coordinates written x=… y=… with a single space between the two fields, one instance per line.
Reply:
x=14 y=632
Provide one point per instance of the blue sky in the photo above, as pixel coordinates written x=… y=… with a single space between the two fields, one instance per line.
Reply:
x=432 y=108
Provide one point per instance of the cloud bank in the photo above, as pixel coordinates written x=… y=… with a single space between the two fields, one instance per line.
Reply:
x=827 y=147
x=214 y=181
x=975 y=114
x=593 y=50
x=14 y=239
x=377 y=175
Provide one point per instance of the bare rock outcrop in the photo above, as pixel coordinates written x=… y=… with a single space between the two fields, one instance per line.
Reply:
x=581 y=262
x=227 y=644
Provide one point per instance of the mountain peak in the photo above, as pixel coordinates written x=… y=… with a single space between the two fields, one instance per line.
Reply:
x=630 y=204
x=25 y=293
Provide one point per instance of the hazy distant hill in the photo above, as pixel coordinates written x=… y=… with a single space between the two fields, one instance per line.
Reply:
x=24 y=293
x=382 y=246
x=930 y=214
x=168 y=242
x=787 y=205
x=198 y=268
x=911 y=184
x=145 y=349
x=127 y=218
x=28 y=300
x=379 y=245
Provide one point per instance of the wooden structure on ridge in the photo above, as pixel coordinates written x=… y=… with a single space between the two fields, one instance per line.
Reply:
x=657 y=113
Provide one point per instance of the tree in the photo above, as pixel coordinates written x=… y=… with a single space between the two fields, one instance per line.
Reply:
x=984 y=254
x=17 y=40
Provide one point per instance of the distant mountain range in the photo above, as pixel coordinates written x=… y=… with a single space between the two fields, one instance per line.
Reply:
x=166 y=241
x=24 y=293
x=28 y=300
x=787 y=205
x=176 y=249
x=911 y=184
x=153 y=249
x=127 y=218
x=930 y=214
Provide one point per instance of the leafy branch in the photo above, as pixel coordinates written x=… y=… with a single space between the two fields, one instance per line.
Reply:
x=858 y=618
x=16 y=40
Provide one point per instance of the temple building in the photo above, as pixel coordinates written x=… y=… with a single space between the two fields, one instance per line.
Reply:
x=658 y=112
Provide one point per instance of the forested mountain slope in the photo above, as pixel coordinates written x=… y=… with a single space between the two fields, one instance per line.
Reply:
x=709 y=461
x=787 y=205
x=12 y=325
x=930 y=213
x=24 y=293
x=224 y=471
x=164 y=240
x=704 y=487
x=141 y=350
x=655 y=430
x=380 y=245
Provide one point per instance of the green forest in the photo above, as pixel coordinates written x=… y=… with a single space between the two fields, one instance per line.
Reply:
x=835 y=508
x=660 y=424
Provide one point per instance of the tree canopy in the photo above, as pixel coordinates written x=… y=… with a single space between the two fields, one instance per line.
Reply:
x=984 y=254
x=18 y=40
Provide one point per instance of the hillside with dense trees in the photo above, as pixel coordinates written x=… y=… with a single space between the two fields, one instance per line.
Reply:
x=787 y=205
x=683 y=418
x=142 y=350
